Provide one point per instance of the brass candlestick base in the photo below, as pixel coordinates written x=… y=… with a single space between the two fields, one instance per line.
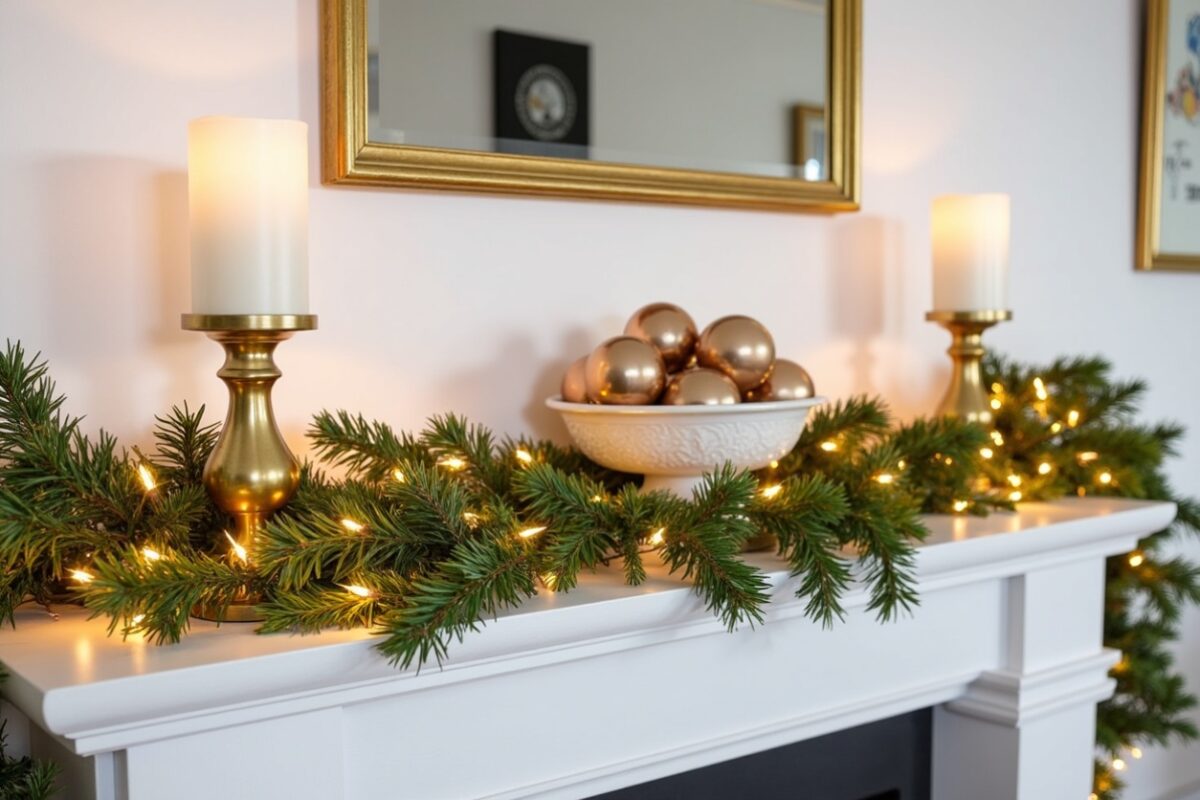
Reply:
x=251 y=472
x=967 y=397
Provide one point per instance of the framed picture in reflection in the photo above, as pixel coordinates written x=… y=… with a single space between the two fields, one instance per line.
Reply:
x=542 y=95
x=809 y=136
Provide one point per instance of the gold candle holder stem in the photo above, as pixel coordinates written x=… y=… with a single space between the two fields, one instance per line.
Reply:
x=966 y=397
x=251 y=471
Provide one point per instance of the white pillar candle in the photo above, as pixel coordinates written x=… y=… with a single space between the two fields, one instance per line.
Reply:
x=248 y=204
x=970 y=252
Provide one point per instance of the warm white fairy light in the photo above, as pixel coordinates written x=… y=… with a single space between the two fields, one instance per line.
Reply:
x=1087 y=456
x=356 y=590
x=524 y=456
x=1105 y=477
x=902 y=465
x=961 y=506
x=1055 y=427
x=948 y=461
x=137 y=619
x=238 y=550
x=399 y=476
x=1072 y=418
x=1119 y=764
x=885 y=478
x=1136 y=752
x=774 y=464
x=1039 y=388
x=352 y=525
x=772 y=491
x=471 y=518
x=1136 y=559
x=829 y=445
x=550 y=580
x=1045 y=467
x=987 y=452
x=529 y=533
x=1014 y=480
x=82 y=576
x=995 y=403
x=452 y=463
x=997 y=388
x=658 y=537
x=1015 y=496
x=998 y=438
x=597 y=498
x=150 y=554
x=146 y=477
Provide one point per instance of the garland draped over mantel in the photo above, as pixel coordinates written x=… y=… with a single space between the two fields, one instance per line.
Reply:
x=428 y=535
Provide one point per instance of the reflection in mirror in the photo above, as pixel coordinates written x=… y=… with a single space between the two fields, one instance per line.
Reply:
x=735 y=86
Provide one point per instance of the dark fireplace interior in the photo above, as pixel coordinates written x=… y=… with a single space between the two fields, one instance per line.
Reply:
x=885 y=760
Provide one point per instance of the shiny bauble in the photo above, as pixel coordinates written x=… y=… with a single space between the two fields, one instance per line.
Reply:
x=788 y=381
x=740 y=347
x=624 y=371
x=701 y=387
x=669 y=328
x=574 y=385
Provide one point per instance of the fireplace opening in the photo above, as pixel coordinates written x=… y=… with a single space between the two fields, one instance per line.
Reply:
x=885 y=760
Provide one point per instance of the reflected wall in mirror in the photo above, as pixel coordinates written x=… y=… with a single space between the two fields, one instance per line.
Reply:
x=726 y=102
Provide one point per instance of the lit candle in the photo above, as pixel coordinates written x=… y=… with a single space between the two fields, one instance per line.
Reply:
x=248 y=203
x=970 y=252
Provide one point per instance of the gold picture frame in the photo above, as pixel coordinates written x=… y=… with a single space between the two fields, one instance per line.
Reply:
x=1151 y=253
x=349 y=157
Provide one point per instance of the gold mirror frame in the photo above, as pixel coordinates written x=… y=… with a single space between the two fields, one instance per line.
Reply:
x=349 y=157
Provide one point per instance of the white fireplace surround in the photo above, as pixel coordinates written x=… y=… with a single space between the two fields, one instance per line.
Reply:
x=608 y=686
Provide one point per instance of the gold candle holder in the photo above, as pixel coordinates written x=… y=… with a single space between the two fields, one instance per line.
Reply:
x=251 y=472
x=967 y=397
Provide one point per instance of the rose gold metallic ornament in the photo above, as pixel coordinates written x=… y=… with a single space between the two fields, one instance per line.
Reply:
x=574 y=385
x=740 y=347
x=788 y=381
x=701 y=387
x=669 y=328
x=625 y=371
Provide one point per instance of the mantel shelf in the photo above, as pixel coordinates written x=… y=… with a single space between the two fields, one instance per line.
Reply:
x=101 y=695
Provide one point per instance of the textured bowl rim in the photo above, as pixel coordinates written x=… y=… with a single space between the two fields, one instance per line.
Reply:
x=558 y=404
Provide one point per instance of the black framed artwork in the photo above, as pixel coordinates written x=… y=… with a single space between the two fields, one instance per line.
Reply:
x=542 y=95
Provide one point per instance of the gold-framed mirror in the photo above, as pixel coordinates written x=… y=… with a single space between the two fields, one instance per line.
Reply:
x=571 y=98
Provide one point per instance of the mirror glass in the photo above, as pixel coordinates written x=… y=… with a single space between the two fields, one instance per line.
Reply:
x=736 y=86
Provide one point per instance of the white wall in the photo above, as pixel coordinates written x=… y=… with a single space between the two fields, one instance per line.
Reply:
x=431 y=302
x=691 y=83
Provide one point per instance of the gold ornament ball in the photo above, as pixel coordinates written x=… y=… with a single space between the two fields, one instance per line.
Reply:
x=740 y=347
x=625 y=371
x=788 y=381
x=574 y=384
x=701 y=387
x=669 y=328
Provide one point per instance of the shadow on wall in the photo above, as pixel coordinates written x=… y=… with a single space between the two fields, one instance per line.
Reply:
x=116 y=244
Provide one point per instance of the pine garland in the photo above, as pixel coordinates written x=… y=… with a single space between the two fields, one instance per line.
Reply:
x=428 y=535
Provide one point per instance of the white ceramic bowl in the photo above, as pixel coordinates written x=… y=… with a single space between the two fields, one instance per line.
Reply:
x=674 y=446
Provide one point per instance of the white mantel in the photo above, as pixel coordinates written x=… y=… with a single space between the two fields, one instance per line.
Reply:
x=1006 y=644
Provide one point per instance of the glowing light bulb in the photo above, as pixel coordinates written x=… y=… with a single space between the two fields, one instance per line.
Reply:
x=829 y=445
x=452 y=463
x=529 y=533
x=1039 y=388
x=998 y=438
x=550 y=580
x=1055 y=427
x=774 y=464
x=238 y=550
x=997 y=388
x=1015 y=496
x=1119 y=764
x=1014 y=480
x=772 y=491
x=471 y=518
x=995 y=403
x=1136 y=752
x=524 y=456
x=146 y=477
x=137 y=619
x=1136 y=559
x=1105 y=477
x=961 y=506
x=658 y=537
x=150 y=554
x=356 y=590
x=1044 y=468
x=82 y=575
x=947 y=461
x=885 y=478
x=986 y=452
x=1087 y=456
x=354 y=526
x=597 y=498
x=901 y=464
x=1072 y=418
x=399 y=476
